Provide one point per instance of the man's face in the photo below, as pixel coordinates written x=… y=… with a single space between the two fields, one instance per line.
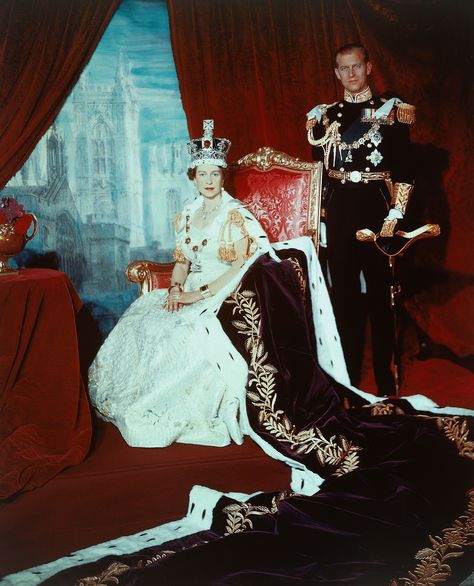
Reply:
x=352 y=71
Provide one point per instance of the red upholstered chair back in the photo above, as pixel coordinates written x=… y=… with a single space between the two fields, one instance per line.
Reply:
x=282 y=192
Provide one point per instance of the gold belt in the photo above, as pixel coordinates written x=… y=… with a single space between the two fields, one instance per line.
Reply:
x=357 y=176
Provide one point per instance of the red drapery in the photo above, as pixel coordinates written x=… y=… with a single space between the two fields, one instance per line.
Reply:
x=44 y=46
x=258 y=67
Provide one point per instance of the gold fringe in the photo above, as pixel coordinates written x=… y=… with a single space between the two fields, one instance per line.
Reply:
x=178 y=255
x=406 y=113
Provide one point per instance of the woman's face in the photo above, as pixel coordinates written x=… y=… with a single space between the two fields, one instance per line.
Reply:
x=209 y=180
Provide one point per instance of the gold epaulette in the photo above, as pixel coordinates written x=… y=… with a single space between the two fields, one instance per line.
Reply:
x=406 y=113
x=235 y=217
x=227 y=252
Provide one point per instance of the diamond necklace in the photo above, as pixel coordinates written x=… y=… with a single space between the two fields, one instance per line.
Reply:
x=207 y=212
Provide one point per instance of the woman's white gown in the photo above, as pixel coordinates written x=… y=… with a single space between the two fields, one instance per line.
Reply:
x=153 y=377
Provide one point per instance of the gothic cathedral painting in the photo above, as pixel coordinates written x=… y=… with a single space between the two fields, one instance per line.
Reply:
x=109 y=176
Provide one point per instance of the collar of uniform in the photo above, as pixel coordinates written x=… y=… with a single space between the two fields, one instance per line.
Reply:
x=362 y=96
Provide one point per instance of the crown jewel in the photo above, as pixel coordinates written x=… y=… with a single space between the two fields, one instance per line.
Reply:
x=208 y=150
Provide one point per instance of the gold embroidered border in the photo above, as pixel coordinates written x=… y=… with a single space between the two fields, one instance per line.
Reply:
x=401 y=196
x=433 y=567
x=299 y=274
x=456 y=430
x=337 y=451
x=384 y=408
x=108 y=576
x=237 y=518
x=159 y=556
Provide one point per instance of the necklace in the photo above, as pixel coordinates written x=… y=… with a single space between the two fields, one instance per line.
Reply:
x=207 y=212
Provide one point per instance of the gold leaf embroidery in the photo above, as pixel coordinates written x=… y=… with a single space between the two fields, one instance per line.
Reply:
x=433 y=568
x=337 y=451
x=159 y=556
x=300 y=274
x=455 y=428
x=106 y=577
x=238 y=514
x=457 y=431
x=383 y=408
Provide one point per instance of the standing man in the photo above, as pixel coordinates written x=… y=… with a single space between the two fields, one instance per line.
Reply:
x=364 y=142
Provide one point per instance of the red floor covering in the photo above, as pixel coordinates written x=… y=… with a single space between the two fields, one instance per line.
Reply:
x=120 y=490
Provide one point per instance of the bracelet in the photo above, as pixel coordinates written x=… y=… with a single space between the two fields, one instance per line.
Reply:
x=205 y=291
x=180 y=287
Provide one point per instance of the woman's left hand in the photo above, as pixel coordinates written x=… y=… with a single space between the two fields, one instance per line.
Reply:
x=176 y=299
x=189 y=297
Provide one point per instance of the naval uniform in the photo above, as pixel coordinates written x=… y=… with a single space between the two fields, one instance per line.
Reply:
x=364 y=141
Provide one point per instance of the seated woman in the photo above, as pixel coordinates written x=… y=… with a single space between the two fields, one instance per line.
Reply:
x=156 y=376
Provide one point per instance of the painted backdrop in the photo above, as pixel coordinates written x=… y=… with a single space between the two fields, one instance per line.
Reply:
x=109 y=176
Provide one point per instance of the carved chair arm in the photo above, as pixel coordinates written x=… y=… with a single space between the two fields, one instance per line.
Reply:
x=149 y=275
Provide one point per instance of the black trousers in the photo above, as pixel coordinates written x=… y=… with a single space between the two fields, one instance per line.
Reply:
x=350 y=207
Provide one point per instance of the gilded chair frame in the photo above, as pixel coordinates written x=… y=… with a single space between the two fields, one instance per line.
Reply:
x=141 y=272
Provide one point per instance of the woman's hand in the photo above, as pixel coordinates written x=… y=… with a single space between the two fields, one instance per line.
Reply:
x=176 y=299
x=173 y=302
x=190 y=297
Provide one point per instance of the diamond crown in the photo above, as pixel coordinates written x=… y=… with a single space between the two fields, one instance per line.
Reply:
x=208 y=150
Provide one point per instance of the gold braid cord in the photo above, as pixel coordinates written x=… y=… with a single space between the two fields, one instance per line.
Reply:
x=401 y=196
x=331 y=138
x=337 y=451
x=226 y=250
x=238 y=514
x=434 y=565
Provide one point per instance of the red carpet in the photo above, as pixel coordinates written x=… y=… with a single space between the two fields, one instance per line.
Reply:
x=120 y=490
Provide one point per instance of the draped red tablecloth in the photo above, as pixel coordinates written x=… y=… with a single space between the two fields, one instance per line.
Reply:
x=45 y=422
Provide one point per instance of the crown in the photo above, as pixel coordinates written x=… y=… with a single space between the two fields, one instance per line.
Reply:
x=208 y=150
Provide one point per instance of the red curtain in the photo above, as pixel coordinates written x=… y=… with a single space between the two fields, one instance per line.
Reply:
x=258 y=67
x=44 y=45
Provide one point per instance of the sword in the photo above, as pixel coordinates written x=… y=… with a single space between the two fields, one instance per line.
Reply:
x=392 y=247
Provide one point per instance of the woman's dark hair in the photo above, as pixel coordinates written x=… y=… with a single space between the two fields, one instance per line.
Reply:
x=192 y=172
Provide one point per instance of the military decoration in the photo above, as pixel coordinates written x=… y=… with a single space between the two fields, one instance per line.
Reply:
x=375 y=157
